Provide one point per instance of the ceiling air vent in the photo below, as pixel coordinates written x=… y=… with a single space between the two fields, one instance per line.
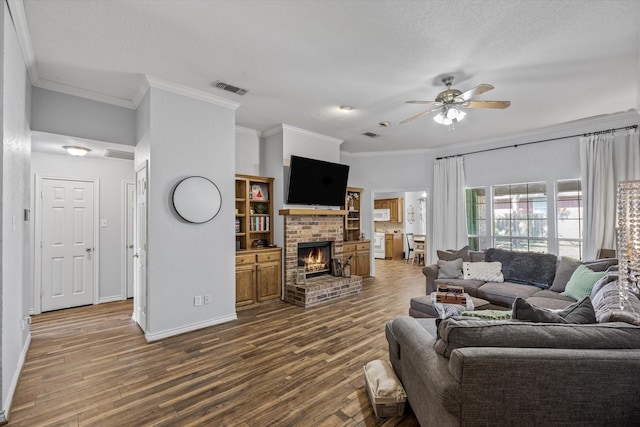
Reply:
x=230 y=88
x=371 y=134
x=117 y=154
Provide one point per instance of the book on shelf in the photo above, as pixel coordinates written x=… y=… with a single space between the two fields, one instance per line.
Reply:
x=260 y=223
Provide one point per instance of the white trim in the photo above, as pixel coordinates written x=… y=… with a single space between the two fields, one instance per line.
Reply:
x=123 y=236
x=37 y=247
x=84 y=93
x=150 y=337
x=113 y=298
x=19 y=18
x=247 y=131
x=4 y=414
x=191 y=93
x=311 y=133
x=270 y=132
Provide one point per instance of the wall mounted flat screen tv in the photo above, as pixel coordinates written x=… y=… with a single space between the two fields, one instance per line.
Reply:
x=316 y=182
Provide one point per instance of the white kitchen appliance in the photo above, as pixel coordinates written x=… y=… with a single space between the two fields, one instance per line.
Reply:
x=378 y=245
x=381 y=214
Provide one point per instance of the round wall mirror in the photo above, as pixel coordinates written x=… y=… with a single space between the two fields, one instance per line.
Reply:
x=196 y=199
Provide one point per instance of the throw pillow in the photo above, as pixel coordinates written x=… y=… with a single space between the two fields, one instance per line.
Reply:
x=581 y=312
x=581 y=282
x=450 y=255
x=487 y=271
x=607 y=305
x=450 y=269
x=489 y=314
x=564 y=270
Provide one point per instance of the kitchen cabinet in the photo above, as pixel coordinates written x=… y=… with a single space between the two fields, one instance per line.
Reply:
x=395 y=206
x=258 y=276
x=393 y=246
x=360 y=252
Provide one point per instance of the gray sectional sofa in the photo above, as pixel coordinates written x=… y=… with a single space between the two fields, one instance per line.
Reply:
x=532 y=370
x=510 y=373
x=539 y=278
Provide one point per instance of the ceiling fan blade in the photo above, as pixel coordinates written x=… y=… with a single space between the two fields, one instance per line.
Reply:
x=474 y=91
x=422 y=102
x=487 y=104
x=424 y=113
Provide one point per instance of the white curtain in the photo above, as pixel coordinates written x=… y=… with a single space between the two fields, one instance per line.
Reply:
x=598 y=193
x=626 y=152
x=449 y=213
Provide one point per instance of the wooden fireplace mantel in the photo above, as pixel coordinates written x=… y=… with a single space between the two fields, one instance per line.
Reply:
x=286 y=212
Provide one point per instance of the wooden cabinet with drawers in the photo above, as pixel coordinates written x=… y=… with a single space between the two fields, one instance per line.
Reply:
x=258 y=275
x=361 y=259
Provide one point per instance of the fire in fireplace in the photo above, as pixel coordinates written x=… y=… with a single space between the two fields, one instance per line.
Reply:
x=316 y=257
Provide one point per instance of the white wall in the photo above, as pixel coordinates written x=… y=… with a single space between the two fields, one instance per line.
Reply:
x=188 y=136
x=16 y=151
x=247 y=151
x=110 y=173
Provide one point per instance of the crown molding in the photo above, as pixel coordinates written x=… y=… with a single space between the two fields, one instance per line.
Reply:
x=270 y=132
x=247 y=131
x=191 y=93
x=311 y=133
x=19 y=18
x=84 y=93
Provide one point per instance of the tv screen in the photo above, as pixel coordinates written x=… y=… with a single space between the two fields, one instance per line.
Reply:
x=316 y=182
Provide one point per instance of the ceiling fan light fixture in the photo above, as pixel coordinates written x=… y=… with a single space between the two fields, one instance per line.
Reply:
x=442 y=119
x=76 y=151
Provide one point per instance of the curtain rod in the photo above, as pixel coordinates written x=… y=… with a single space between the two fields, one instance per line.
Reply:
x=542 y=140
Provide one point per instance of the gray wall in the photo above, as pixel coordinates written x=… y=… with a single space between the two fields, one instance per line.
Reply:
x=63 y=114
x=15 y=246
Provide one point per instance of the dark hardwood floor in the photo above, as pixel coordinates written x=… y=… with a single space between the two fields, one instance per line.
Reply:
x=277 y=365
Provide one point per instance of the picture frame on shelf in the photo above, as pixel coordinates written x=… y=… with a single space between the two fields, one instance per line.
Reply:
x=259 y=192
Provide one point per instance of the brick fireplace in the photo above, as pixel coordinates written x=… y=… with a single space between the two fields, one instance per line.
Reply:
x=304 y=227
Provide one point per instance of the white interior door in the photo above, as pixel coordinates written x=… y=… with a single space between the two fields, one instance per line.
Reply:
x=67 y=243
x=140 y=246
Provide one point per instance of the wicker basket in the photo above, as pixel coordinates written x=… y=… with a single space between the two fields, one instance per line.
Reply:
x=385 y=406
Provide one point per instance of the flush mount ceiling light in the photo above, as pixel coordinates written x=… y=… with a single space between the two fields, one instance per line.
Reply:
x=345 y=108
x=76 y=151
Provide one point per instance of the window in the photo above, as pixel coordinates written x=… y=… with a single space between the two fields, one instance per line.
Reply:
x=477 y=219
x=569 y=218
x=520 y=217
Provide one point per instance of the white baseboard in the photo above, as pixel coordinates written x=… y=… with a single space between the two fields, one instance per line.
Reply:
x=150 y=337
x=110 y=299
x=4 y=413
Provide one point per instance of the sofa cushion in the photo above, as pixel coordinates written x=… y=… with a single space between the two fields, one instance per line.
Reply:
x=476 y=256
x=581 y=282
x=450 y=269
x=530 y=268
x=505 y=293
x=488 y=314
x=578 y=312
x=459 y=332
x=487 y=271
x=450 y=255
x=607 y=305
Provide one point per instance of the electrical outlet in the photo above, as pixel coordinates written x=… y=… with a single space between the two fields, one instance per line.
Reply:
x=197 y=300
x=207 y=299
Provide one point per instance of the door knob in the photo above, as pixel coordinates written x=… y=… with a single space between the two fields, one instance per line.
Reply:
x=89 y=249
x=135 y=255
x=130 y=246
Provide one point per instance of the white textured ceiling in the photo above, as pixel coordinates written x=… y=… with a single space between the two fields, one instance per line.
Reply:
x=556 y=61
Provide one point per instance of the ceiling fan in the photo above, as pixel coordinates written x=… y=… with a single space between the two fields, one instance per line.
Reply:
x=449 y=103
